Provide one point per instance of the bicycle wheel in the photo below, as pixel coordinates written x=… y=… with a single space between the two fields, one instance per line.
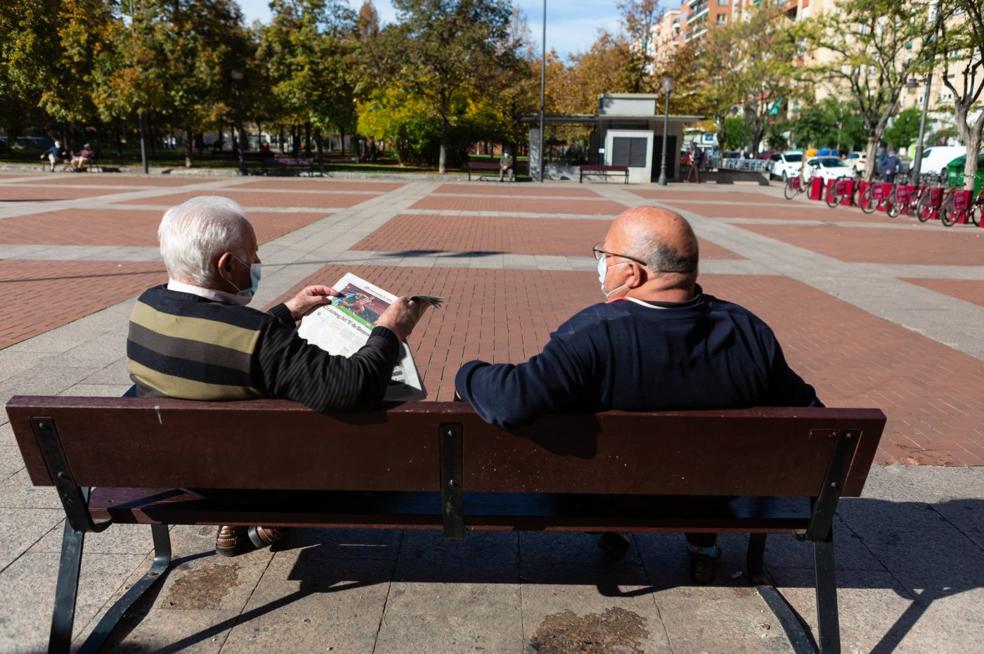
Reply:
x=894 y=209
x=924 y=208
x=948 y=213
x=974 y=215
x=788 y=191
x=833 y=197
x=865 y=200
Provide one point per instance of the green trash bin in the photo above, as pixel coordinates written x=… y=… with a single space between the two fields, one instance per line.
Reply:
x=955 y=173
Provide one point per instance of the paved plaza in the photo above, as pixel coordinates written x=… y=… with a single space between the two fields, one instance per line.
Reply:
x=873 y=312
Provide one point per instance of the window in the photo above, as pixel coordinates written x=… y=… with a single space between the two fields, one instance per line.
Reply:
x=722 y=19
x=629 y=151
x=723 y=3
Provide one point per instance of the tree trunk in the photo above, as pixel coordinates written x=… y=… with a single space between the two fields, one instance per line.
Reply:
x=973 y=147
x=242 y=145
x=341 y=138
x=307 y=138
x=318 y=143
x=970 y=135
x=189 y=146
x=153 y=137
x=872 y=151
x=442 y=157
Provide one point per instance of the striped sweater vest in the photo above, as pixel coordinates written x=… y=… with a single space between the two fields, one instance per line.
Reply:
x=184 y=346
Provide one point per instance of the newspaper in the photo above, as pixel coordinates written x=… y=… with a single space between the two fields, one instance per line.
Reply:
x=343 y=327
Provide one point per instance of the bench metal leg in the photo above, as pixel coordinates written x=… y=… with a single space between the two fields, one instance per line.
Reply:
x=66 y=591
x=755 y=559
x=827 y=620
x=158 y=570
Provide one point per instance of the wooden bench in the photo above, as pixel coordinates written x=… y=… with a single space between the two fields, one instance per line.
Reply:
x=279 y=164
x=437 y=465
x=597 y=169
x=488 y=166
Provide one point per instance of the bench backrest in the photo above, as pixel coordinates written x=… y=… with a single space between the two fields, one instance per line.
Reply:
x=598 y=168
x=266 y=444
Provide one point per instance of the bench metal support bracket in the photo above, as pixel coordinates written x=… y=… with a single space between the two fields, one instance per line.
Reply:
x=74 y=499
x=452 y=493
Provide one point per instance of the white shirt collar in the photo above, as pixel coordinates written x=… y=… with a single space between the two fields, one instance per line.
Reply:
x=207 y=293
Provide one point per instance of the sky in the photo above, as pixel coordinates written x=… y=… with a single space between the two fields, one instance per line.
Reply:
x=572 y=25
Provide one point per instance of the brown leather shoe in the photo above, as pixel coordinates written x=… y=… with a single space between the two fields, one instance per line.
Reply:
x=262 y=537
x=232 y=541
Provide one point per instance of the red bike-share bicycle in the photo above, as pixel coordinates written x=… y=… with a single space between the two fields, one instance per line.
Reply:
x=960 y=206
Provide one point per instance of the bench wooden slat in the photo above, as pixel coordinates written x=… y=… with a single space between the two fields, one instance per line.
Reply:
x=145 y=442
x=485 y=512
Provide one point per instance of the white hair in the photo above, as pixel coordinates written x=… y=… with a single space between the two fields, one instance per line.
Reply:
x=195 y=233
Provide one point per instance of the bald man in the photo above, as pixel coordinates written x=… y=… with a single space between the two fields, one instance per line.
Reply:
x=657 y=342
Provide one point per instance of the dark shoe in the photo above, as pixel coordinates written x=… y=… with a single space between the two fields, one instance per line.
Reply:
x=262 y=537
x=704 y=563
x=232 y=541
x=614 y=544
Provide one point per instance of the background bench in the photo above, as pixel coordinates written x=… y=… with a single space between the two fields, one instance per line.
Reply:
x=281 y=164
x=437 y=465
x=487 y=166
x=598 y=169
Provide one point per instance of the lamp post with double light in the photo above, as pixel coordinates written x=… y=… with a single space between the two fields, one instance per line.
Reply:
x=667 y=89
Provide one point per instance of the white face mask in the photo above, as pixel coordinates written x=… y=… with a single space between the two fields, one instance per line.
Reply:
x=244 y=295
x=603 y=272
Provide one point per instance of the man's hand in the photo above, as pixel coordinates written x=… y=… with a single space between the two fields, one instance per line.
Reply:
x=401 y=317
x=309 y=299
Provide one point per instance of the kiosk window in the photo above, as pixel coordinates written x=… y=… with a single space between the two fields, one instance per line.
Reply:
x=629 y=152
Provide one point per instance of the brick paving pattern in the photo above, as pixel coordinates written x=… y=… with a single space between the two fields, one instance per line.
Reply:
x=16 y=192
x=37 y=296
x=555 y=236
x=147 y=181
x=968 y=290
x=695 y=195
x=124 y=226
x=320 y=185
x=792 y=210
x=516 y=191
x=955 y=247
x=509 y=204
x=268 y=198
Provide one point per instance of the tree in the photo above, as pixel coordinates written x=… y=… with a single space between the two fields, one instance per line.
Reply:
x=639 y=19
x=961 y=49
x=830 y=123
x=736 y=133
x=875 y=47
x=309 y=47
x=445 y=46
x=904 y=129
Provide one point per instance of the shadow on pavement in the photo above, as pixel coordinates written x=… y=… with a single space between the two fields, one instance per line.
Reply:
x=923 y=552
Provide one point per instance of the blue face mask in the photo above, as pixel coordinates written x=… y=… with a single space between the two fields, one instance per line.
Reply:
x=254 y=279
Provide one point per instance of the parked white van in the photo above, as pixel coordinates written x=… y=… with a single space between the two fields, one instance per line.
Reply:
x=937 y=158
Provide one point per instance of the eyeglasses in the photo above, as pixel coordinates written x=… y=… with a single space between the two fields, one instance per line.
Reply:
x=599 y=253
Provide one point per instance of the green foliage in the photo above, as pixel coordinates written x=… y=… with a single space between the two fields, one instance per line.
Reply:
x=414 y=129
x=829 y=124
x=904 y=129
x=775 y=133
x=736 y=133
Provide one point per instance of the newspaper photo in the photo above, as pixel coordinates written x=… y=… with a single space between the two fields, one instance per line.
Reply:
x=343 y=327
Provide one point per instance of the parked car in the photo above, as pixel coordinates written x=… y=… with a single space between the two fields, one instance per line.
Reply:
x=827 y=168
x=857 y=161
x=31 y=143
x=785 y=164
x=936 y=159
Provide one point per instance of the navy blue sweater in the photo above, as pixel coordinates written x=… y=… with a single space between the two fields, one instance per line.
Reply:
x=701 y=354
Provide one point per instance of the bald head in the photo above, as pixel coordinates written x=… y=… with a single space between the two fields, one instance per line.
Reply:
x=661 y=238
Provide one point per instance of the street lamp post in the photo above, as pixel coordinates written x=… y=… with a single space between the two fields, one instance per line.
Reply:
x=543 y=87
x=667 y=88
x=237 y=130
x=143 y=148
x=917 y=162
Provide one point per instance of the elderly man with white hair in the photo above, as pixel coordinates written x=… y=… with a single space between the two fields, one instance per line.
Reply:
x=195 y=338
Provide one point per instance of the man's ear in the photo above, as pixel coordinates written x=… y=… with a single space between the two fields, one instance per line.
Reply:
x=224 y=264
x=638 y=276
